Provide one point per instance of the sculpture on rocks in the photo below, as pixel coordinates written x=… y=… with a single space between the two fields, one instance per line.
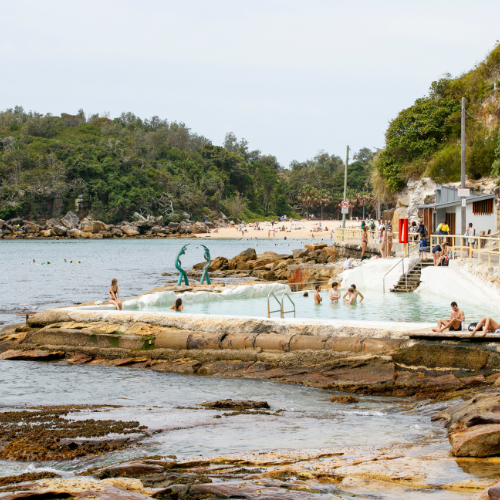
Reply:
x=205 y=276
x=182 y=273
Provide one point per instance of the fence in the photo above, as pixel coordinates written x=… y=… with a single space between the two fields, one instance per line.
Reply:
x=467 y=248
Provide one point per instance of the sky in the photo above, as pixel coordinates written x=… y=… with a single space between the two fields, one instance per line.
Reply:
x=292 y=77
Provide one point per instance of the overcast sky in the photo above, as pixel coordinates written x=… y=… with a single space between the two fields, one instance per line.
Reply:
x=291 y=76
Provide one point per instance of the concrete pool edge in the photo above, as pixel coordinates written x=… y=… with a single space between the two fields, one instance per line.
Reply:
x=230 y=324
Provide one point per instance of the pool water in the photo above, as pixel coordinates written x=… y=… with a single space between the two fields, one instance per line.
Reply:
x=376 y=306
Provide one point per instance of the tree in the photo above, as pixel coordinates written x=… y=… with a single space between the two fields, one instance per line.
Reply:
x=235 y=206
x=308 y=197
x=323 y=199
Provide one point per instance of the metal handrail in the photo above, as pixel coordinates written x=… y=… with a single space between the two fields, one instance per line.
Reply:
x=268 y=306
x=402 y=260
x=285 y=294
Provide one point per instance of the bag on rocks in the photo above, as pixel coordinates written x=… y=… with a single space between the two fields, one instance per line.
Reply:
x=472 y=327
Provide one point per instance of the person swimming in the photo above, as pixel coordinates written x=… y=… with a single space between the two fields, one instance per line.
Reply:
x=351 y=296
x=334 y=292
x=317 y=296
x=178 y=305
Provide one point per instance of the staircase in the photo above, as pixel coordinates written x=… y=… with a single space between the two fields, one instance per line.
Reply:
x=410 y=281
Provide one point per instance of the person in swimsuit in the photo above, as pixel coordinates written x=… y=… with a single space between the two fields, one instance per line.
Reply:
x=436 y=253
x=114 y=295
x=317 y=296
x=390 y=236
x=178 y=305
x=334 y=292
x=353 y=295
x=490 y=325
x=454 y=323
x=364 y=241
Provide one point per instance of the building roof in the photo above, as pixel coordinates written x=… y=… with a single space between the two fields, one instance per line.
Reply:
x=448 y=197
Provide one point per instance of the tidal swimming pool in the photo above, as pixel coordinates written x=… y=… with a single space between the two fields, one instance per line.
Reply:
x=252 y=301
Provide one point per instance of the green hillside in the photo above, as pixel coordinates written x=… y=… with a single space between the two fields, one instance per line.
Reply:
x=424 y=139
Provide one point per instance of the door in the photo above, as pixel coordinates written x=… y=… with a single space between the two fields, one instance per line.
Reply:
x=429 y=220
x=450 y=220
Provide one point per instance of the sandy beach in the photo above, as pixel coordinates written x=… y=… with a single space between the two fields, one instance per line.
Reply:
x=297 y=229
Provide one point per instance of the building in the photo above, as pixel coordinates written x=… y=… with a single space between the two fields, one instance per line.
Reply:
x=480 y=210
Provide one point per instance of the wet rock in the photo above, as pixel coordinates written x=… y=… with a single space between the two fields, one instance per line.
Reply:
x=33 y=355
x=133 y=469
x=489 y=493
x=344 y=399
x=223 y=366
x=478 y=441
x=229 y=404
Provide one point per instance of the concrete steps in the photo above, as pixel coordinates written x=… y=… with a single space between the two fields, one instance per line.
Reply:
x=410 y=281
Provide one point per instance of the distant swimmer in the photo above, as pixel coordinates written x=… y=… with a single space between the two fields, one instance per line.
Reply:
x=178 y=305
x=114 y=295
x=317 y=296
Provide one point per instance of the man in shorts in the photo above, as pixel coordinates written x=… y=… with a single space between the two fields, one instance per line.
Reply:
x=454 y=323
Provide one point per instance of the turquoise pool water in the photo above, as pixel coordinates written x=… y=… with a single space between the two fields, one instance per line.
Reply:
x=394 y=307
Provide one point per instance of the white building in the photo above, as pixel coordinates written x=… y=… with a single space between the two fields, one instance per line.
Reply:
x=448 y=206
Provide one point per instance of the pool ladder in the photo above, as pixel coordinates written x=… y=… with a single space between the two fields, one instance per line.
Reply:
x=280 y=304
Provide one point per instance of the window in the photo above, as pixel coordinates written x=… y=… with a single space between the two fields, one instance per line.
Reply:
x=484 y=207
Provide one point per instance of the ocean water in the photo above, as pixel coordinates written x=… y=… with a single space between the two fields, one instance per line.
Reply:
x=137 y=264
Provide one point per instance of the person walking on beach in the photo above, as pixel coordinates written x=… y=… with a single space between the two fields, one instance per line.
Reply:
x=317 y=296
x=454 y=324
x=114 y=295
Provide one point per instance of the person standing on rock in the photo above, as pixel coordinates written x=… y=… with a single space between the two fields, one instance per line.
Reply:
x=454 y=323
x=317 y=296
x=114 y=295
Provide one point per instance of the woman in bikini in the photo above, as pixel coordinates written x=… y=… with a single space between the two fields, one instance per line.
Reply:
x=178 y=305
x=364 y=241
x=390 y=236
x=114 y=295
x=382 y=242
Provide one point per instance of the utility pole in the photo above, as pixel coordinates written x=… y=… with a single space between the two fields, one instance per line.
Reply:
x=345 y=183
x=462 y=165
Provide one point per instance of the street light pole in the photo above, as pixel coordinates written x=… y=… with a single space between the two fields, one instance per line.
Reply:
x=462 y=167
x=345 y=183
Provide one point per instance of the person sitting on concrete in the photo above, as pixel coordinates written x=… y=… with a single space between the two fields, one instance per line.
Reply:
x=317 y=296
x=454 y=324
x=349 y=263
x=490 y=325
x=446 y=255
x=436 y=252
x=114 y=294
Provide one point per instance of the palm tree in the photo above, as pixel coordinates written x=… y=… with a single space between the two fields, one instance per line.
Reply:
x=364 y=198
x=352 y=197
x=324 y=199
x=307 y=196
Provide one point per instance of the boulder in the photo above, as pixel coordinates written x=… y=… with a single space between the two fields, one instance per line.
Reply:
x=33 y=355
x=218 y=264
x=477 y=441
x=94 y=226
x=159 y=221
x=492 y=492
x=75 y=233
x=116 y=232
x=185 y=228
x=315 y=246
x=130 y=230
x=249 y=254
x=70 y=220
x=46 y=234
x=174 y=226
x=300 y=253
x=54 y=222
x=328 y=252
x=198 y=228
x=144 y=226
x=59 y=231
x=32 y=228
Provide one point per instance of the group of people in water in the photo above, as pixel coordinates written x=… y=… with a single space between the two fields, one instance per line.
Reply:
x=334 y=294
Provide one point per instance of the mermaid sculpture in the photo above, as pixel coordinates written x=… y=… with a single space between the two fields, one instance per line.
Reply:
x=178 y=263
x=205 y=276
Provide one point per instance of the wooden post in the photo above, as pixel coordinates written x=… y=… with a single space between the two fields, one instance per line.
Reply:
x=489 y=252
x=479 y=252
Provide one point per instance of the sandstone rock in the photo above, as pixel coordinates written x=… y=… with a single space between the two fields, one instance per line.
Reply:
x=70 y=220
x=198 y=228
x=130 y=230
x=223 y=367
x=33 y=355
x=229 y=404
x=344 y=399
x=174 y=226
x=300 y=253
x=328 y=252
x=46 y=233
x=478 y=441
x=59 y=231
x=489 y=493
x=32 y=228
x=133 y=469
x=54 y=222
x=184 y=228
x=248 y=490
x=249 y=254
x=312 y=247
x=116 y=232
